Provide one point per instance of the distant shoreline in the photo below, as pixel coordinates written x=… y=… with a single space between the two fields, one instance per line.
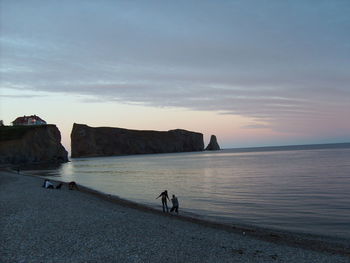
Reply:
x=344 y=145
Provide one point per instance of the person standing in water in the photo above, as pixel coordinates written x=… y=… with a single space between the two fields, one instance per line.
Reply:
x=164 y=196
x=175 y=205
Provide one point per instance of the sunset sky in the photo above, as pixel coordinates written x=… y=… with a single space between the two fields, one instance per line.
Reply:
x=253 y=72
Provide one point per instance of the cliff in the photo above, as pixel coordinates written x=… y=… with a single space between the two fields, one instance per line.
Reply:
x=31 y=144
x=213 y=144
x=105 y=141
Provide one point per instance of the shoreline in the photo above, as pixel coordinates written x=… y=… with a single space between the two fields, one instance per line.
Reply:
x=270 y=234
x=45 y=172
x=311 y=242
x=301 y=240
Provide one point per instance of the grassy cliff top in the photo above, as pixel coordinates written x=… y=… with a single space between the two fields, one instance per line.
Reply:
x=16 y=132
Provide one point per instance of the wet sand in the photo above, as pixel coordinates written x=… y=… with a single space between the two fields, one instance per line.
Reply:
x=43 y=225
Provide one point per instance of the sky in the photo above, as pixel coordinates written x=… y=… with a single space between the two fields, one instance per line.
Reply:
x=252 y=72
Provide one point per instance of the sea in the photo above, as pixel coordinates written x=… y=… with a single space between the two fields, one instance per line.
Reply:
x=303 y=189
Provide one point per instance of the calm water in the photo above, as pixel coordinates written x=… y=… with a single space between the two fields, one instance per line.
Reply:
x=297 y=190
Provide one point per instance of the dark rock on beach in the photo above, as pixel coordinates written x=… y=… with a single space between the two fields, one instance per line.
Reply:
x=213 y=144
x=31 y=144
x=106 y=141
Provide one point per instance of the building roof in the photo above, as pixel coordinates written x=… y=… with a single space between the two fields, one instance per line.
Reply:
x=24 y=119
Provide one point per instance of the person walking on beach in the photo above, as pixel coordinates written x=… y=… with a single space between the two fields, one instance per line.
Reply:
x=164 y=196
x=175 y=205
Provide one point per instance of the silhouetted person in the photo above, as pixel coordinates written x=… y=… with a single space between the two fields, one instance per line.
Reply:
x=164 y=196
x=59 y=186
x=72 y=185
x=175 y=204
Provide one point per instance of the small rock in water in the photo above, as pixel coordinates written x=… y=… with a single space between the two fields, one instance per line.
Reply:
x=213 y=144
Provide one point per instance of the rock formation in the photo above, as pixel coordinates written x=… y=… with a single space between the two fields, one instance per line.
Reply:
x=105 y=141
x=213 y=144
x=31 y=144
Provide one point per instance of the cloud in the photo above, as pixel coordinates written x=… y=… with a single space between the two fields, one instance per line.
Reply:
x=256 y=126
x=272 y=62
x=24 y=96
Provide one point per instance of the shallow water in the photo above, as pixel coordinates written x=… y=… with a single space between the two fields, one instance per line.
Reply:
x=305 y=191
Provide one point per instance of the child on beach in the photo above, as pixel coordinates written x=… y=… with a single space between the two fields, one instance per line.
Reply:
x=175 y=205
x=164 y=196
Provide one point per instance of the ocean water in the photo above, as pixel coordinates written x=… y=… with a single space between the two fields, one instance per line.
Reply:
x=303 y=189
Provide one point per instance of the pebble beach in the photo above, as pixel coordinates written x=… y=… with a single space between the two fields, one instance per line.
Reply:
x=50 y=225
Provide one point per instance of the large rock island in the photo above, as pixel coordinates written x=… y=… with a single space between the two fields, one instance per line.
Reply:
x=31 y=144
x=106 y=141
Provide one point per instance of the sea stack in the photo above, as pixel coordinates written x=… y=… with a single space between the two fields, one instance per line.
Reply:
x=107 y=141
x=213 y=144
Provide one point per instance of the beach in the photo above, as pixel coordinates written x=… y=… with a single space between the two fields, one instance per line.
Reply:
x=44 y=225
